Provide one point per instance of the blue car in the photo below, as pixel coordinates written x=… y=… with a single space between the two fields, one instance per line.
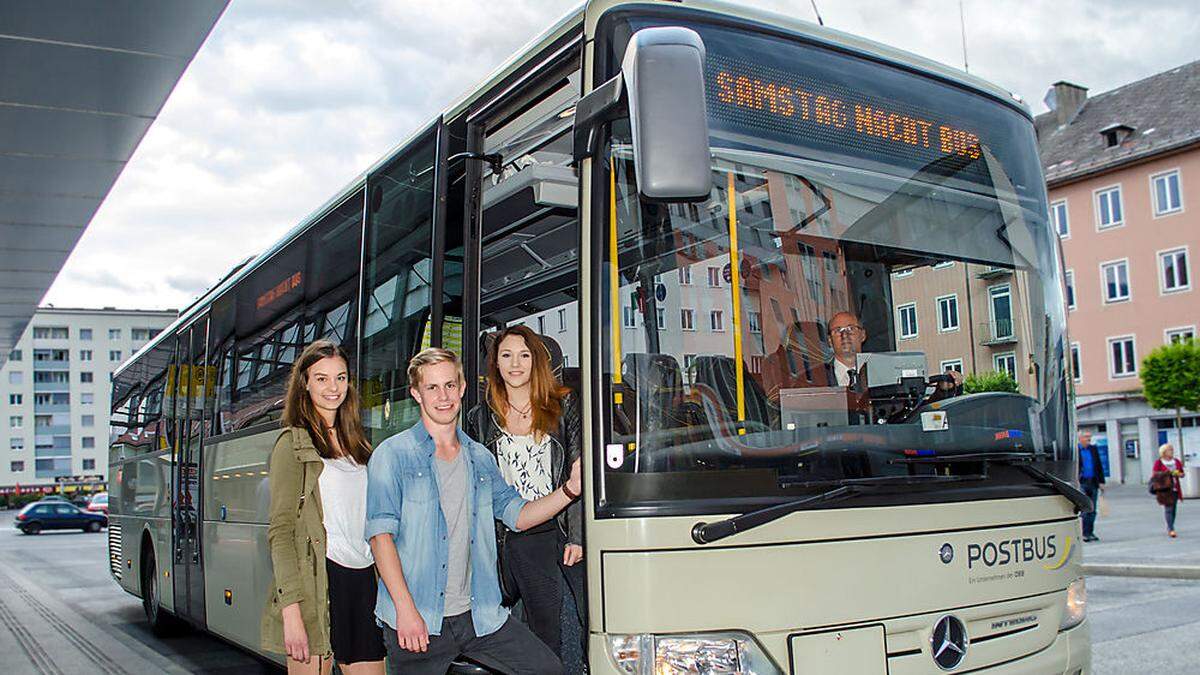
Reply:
x=58 y=515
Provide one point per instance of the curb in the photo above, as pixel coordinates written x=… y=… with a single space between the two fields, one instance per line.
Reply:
x=1137 y=570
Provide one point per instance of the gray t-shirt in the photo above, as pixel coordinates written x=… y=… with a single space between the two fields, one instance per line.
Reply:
x=452 y=489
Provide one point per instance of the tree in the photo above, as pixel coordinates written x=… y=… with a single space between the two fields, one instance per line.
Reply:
x=994 y=381
x=1171 y=379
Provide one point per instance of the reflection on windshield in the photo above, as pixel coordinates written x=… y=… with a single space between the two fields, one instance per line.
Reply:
x=812 y=322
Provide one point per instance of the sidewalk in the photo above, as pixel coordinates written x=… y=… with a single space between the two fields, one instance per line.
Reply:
x=1134 y=541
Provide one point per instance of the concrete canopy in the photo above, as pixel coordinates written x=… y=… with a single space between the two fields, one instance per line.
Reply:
x=80 y=84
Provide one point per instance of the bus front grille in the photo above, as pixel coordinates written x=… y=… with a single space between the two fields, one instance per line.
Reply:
x=114 y=549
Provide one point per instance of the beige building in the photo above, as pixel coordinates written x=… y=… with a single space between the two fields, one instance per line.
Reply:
x=1122 y=169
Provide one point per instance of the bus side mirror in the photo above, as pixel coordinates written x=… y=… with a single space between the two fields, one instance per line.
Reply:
x=662 y=82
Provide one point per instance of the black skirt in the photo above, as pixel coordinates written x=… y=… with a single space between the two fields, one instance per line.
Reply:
x=353 y=633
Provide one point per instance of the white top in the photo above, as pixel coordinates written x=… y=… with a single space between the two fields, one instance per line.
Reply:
x=525 y=465
x=1172 y=464
x=842 y=372
x=343 y=486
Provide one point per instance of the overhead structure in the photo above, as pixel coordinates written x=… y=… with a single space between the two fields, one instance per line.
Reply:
x=80 y=86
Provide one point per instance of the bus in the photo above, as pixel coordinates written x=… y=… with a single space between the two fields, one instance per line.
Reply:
x=805 y=287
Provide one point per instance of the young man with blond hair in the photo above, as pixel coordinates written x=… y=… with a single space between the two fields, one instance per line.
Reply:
x=432 y=497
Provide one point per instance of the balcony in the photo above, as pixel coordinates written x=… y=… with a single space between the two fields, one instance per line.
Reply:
x=51 y=387
x=994 y=273
x=996 y=333
x=49 y=364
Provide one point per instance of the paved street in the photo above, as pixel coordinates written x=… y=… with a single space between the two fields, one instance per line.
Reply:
x=61 y=613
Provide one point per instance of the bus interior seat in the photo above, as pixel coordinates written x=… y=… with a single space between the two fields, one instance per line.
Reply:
x=656 y=384
x=716 y=382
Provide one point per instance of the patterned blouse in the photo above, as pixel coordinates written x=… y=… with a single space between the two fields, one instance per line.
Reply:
x=525 y=465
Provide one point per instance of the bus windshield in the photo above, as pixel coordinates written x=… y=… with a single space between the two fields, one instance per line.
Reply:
x=871 y=290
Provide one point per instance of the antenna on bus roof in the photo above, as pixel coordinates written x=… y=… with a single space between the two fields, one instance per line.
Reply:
x=816 y=11
x=962 y=25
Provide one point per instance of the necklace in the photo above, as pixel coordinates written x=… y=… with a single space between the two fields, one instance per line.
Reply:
x=523 y=413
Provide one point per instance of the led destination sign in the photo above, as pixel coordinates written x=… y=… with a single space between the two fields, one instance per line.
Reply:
x=791 y=103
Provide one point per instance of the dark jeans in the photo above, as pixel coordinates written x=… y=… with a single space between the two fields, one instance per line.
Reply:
x=1091 y=488
x=534 y=567
x=511 y=649
x=1170 y=513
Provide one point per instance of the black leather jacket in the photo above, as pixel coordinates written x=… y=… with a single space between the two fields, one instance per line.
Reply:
x=566 y=442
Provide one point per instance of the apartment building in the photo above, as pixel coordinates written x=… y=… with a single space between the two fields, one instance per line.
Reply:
x=54 y=394
x=1123 y=174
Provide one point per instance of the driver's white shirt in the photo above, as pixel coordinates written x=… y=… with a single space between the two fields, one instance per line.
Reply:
x=842 y=372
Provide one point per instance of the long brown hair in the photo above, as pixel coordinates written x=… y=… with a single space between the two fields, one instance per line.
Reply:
x=299 y=411
x=545 y=391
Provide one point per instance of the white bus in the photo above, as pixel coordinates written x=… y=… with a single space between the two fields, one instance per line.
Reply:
x=754 y=245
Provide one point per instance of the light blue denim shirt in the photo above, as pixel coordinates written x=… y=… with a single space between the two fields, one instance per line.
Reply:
x=402 y=500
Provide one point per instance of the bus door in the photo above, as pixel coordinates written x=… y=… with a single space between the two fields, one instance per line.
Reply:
x=191 y=385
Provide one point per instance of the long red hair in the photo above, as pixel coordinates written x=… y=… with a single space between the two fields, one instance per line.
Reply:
x=545 y=391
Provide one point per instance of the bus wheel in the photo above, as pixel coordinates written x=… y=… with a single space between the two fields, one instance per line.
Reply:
x=156 y=616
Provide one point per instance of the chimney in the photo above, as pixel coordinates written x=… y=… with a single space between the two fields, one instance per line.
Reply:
x=1065 y=100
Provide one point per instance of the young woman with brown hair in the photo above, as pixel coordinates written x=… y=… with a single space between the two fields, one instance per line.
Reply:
x=531 y=424
x=323 y=601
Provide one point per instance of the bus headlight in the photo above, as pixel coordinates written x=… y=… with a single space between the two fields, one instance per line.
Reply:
x=697 y=653
x=1075 y=606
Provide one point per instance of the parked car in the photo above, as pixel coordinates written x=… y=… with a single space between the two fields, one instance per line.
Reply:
x=98 y=503
x=58 y=515
x=54 y=498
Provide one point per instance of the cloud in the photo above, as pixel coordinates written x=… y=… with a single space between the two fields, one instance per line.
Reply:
x=287 y=102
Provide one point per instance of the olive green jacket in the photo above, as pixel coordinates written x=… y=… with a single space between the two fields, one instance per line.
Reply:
x=297 y=540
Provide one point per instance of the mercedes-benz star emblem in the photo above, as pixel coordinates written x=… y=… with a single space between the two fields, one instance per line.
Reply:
x=946 y=553
x=948 y=642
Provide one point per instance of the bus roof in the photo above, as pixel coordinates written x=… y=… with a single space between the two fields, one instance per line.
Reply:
x=585 y=16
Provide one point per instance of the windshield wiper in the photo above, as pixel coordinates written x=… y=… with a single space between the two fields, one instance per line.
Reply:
x=1020 y=460
x=707 y=533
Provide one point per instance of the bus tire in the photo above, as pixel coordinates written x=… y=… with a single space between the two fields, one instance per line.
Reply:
x=160 y=620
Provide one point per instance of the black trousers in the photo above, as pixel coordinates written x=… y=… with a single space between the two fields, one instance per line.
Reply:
x=533 y=565
x=512 y=649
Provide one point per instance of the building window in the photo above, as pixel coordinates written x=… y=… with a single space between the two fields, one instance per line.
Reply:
x=908 y=320
x=685 y=275
x=16 y=444
x=1108 y=207
x=952 y=364
x=562 y=320
x=87 y=398
x=89 y=465
x=16 y=377
x=541 y=321
x=660 y=318
x=85 y=334
x=1122 y=356
x=1168 y=198
x=1005 y=363
x=87 y=420
x=756 y=363
x=1174 y=270
x=629 y=316
x=89 y=441
x=1069 y=279
x=1058 y=214
x=755 y=321
x=1115 y=276
x=1076 y=368
x=16 y=467
x=85 y=376
x=114 y=355
x=714 y=277
x=689 y=367
x=15 y=399
x=16 y=422
x=1183 y=334
x=85 y=355
x=716 y=320
x=947 y=313
x=142 y=334
x=15 y=355
x=114 y=333
x=687 y=319
x=50 y=333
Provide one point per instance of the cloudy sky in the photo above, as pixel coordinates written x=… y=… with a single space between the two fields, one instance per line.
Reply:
x=288 y=101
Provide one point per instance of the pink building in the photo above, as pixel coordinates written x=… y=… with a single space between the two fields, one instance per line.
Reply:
x=1123 y=174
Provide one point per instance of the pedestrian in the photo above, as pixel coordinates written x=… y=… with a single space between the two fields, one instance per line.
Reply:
x=1164 y=483
x=1091 y=481
x=322 y=606
x=433 y=495
x=530 y=423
